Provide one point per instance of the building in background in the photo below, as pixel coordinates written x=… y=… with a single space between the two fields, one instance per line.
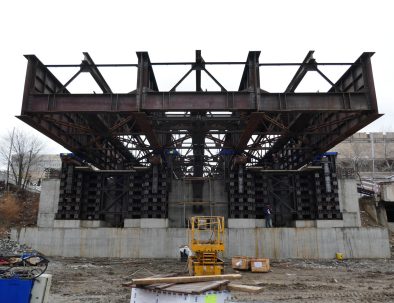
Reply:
x=47 y=164
x=371 y=155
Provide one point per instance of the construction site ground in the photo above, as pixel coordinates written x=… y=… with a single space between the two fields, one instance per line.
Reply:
x=100 y=280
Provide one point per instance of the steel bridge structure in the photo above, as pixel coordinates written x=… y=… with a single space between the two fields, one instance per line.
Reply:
x=151 y=137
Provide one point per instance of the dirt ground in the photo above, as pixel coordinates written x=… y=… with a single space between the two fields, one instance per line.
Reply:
x=99 y=280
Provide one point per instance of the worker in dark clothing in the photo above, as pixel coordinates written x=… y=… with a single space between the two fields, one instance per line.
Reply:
x=267 y=216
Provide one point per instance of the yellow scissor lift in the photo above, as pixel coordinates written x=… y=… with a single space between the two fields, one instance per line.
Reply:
x=205 y=235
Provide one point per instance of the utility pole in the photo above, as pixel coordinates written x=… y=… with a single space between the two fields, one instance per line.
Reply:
x=373 y=157
x=9 y=159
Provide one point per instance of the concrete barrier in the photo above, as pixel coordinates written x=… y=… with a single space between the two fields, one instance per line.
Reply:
x=276 y=243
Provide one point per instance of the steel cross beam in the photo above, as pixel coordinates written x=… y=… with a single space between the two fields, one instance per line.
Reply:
x=198 y=66
x=89 y=65
x=301 y=72
x=251 y=75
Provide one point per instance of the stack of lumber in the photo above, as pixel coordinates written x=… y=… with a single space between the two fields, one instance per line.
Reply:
x=192 y=284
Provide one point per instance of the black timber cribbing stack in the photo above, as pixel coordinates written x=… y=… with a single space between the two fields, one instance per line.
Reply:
x=112 y=196
x=295 y=195
x=305 y=193
x=241 y=196
x=70 y=193
x=154 y=203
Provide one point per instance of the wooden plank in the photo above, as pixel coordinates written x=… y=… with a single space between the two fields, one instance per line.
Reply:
x=163 y=275
x=242 y=287
x=195 y=288
x=182 y=280
x=159 y=285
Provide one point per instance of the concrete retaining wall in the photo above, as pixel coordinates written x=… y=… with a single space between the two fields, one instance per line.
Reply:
x=276 y=243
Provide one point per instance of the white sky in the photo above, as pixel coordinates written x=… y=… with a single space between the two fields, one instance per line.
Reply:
x=112 y=31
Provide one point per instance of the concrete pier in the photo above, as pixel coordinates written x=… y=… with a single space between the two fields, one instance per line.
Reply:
x=276 y=243
x=161 y=238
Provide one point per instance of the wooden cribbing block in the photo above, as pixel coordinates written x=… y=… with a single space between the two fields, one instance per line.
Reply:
x=183 y=279
x=246 y=288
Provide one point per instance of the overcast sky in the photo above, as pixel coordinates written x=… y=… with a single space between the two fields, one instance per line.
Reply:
x=112 y=31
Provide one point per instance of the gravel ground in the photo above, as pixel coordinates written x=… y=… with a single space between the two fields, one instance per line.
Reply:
x=9 y=247
x=99 y=280
x=79 y=280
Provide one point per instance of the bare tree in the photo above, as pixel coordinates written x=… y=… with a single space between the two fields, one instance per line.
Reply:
x=21 y=152
x=358 y=159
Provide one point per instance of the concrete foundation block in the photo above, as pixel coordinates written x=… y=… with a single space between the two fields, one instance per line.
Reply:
x=154 y=223
x=179 y=210
x=67 y=223
x=93 y=223
x=49 y=197
x=305 y=223
x=45 y=220
x=41 y=287
x=387 y=192
x=260 y=222
x=132 y=223
x=241 y=223
x=329 y=223
x=382 y=215
x=348 y=196
x=369 y=206
x=351 y=219
x=390 y=225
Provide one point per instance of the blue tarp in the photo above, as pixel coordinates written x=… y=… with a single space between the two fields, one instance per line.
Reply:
x=15 y=290
x=319 y=156
x=226 y=152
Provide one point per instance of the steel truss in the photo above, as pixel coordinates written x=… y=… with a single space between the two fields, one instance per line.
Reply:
x=120 y=131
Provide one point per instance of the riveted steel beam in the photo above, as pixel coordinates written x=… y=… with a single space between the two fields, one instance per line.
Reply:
x=186 y=101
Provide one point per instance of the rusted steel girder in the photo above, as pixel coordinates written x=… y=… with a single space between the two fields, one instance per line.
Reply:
x=186 y=101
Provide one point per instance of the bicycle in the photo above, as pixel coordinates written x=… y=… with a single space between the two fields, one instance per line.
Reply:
x=28 y=265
